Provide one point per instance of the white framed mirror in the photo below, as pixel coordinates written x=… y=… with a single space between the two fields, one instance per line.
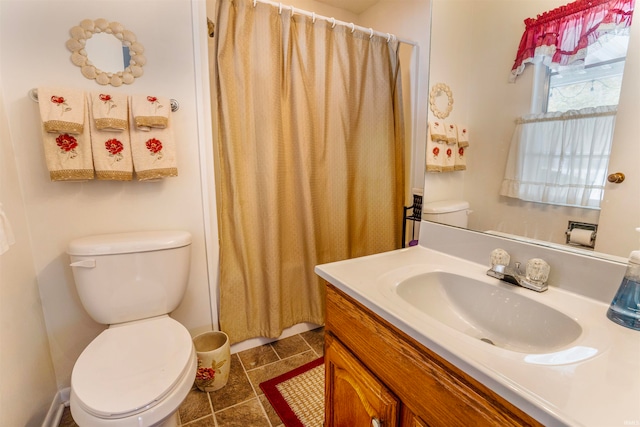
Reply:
x=106 y=52
x=441 y=100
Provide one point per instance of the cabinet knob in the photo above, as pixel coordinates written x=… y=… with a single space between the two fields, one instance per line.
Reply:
x=376 y=422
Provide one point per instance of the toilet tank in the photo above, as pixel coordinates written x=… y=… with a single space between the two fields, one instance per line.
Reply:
x=130 y=276
x=450 y=212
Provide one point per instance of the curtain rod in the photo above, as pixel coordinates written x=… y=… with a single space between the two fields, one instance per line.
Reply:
x=335 y=22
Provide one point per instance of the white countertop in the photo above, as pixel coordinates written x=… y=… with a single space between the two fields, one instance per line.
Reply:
x=603 y=390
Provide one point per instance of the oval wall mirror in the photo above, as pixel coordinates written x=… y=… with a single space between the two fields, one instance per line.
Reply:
x=106 y=52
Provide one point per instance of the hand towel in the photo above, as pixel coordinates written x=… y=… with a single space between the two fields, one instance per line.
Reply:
x=437 y=130
x=461 y=159
x=449 y=158
x=153 y=151
x=150 y=112
x=435 y=153
x=111 y=150
x=452 y=133
x=6 y=232
x=109 y=111
x=463 y=136
x=68 y=156
x=62 y=110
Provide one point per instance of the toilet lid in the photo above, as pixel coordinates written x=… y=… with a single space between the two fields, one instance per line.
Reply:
x=130 y=367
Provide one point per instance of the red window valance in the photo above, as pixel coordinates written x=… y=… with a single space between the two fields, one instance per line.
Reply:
x=562 y=35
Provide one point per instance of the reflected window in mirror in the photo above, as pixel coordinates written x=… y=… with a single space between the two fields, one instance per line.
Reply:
x=595 y=83
x=559 y=154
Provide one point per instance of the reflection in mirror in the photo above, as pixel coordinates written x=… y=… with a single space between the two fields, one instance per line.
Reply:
x=114 y=48
x=107 y=53
x=475 y=58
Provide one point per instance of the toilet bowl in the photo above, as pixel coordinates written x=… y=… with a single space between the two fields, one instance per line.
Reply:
x=136 y=374
x=139 y=370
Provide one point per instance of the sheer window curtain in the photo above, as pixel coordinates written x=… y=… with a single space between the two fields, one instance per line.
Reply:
x=309 y=160
x=560 y=158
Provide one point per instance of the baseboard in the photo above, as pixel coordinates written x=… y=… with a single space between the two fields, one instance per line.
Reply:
x=60 y=401
x=257 y=342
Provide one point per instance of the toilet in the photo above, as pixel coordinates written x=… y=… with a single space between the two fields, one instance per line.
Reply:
x=450 y=212
x=139 y=370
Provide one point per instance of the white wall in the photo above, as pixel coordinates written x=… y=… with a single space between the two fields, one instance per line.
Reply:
x=33 y=34
x=26 y=371
x=474 y=57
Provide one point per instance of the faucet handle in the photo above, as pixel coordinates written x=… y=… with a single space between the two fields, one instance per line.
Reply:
x=537 y=271
x=499 y=257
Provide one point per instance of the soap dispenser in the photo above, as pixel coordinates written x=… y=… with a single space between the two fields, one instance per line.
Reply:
x=625 y=307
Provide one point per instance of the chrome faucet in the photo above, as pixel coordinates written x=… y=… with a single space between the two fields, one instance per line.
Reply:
x=535 y=277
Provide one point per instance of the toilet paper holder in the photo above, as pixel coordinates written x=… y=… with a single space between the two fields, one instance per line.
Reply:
x=581 y=226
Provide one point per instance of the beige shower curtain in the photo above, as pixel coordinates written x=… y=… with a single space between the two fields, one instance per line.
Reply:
x=309 y=160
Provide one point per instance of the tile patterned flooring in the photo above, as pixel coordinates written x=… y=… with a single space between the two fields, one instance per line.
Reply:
x=241 y=402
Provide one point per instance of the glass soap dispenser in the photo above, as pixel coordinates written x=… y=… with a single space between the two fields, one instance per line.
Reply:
x=625 y=307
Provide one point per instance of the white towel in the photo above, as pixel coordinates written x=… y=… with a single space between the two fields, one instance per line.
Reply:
x=150 y=112
x=449 y=157
x=62 y=110
x=111 y=150
x=435 y=153
x=463 y=136
x=452 y=133
x=6 y=232
x=461 y=158
x=437 y=130
x=154 y=152
x=109 y=111
x=68 y=156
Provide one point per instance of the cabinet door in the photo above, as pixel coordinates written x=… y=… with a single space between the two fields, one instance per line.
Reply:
x=353 y=396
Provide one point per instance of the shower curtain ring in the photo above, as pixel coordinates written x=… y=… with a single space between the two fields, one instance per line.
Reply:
x=279 y=8
x=313 y=17
x=388 y=37
x=255 y=2
x=370 y=33
x=293 y=11
x=353 y=27
x=333 y=22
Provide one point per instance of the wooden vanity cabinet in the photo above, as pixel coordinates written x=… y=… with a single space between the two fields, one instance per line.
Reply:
x=376 y=375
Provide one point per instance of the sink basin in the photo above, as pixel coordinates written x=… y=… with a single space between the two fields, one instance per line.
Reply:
x=489 y=313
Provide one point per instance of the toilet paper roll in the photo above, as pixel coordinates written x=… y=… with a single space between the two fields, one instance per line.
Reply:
x=580 y=236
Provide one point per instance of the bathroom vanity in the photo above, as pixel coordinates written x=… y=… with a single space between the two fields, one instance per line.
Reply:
x=399 y=355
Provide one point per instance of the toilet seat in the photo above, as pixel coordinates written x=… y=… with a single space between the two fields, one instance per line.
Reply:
x=131 y=367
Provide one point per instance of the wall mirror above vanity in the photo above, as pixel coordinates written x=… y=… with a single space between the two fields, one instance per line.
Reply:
x=106 y=52
x=475 y=58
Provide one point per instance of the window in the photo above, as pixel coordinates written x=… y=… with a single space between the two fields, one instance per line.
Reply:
x=595 y=84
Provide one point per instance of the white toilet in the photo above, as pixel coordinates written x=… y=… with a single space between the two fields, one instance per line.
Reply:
x=140 y=369
x=450 y=212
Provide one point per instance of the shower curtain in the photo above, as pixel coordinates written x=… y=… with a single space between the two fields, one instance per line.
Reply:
x=309 y=160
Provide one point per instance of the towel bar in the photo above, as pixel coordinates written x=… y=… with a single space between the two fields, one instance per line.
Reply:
x=175 y=105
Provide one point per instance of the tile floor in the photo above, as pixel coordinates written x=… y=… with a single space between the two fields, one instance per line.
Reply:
x=241 y=402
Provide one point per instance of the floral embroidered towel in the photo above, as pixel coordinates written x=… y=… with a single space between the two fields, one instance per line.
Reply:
x=153 y=151
x=463 y=136
x=435 y=153
x=452 y=133
x=109 y=111
x=150 y=112
x=461 y=158
x=449 y=158
x=111 y=151
x=437 y=130
x=62 y=110
x=68 y=156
